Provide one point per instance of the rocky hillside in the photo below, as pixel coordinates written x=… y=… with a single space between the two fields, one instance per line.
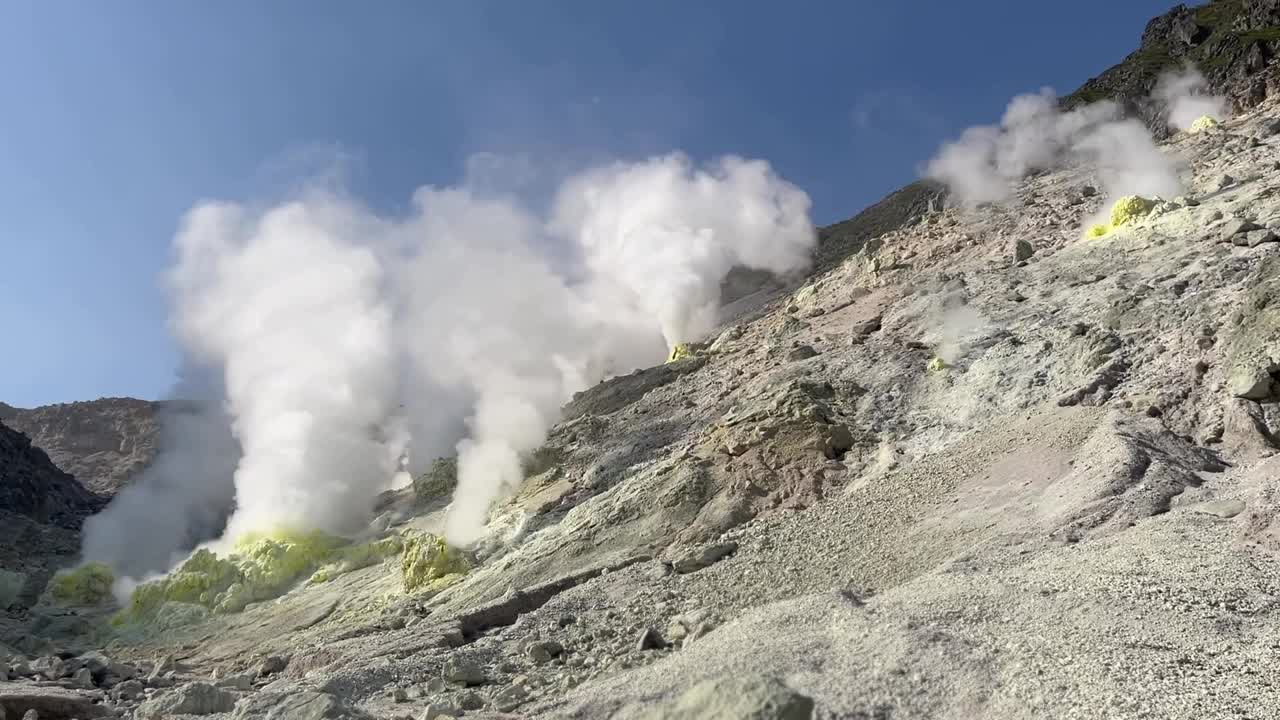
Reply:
x=103 y=443
x=41 y=510
x=982 y=467
x=1235 y=43
x=974 y=466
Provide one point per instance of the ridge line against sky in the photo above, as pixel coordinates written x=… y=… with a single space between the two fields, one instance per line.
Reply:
x=122 y=116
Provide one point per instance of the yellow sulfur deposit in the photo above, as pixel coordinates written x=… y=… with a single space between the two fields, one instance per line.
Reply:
x=261 y=567
x=1202 y=123
x=937 y=364
x=1130 y=208
x=1097 y=231
x=685 y=350
x=354 y=557
x=429 y=564
x=89 y=584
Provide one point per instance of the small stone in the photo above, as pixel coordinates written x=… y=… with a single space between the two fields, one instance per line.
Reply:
x=510 y=698
x=273 y=664
x=436 y=685
x=441 y=709
x=1088 y=191
x=649 y=639
x=1222 y=508
x=470 y=701
x=1269 y=127
x=1186 y=201
x=463 y=672
x=129 y=690
x=83 y=677
x=566 y=620
x=803 y=352
x=1254 y=238
x=31 y=715
x=398 y=695
x=703 y=557
x=193 y=699
x=1237 y=226
x=544 y=651
x=1223 y=182
x=864 y=328
x=1023 y=250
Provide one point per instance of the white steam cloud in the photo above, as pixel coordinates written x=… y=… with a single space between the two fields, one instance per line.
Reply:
x=350 y=343
x=985 y=163
x=1186 y=98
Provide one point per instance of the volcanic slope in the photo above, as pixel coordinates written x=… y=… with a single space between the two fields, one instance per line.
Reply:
x=983 y=467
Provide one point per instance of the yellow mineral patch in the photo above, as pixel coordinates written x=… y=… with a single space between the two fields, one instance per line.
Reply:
x=1202 y=123
x=1097 y=231
x=261 y=567
x=685 y=350
x=1130 y=208
x=89 y=584
x=429 y=564
x=355 y=557
x=937 y=364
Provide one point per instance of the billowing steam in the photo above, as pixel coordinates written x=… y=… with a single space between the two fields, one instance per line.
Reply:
x=985 y=163
x=349 y=344
x=186 y=492
x=1186 y=98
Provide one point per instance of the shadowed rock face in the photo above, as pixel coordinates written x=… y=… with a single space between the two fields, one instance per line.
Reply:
x=103 y=443
x=31 y=485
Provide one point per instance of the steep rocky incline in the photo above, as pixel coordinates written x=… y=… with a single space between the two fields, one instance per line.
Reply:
x=981 y=467
x=41 y=511
x=1235 y=43
x=31 y=485
x=103 y=443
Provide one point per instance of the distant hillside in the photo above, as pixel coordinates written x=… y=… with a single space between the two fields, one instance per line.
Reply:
x=1235 y=43
x=103 y=443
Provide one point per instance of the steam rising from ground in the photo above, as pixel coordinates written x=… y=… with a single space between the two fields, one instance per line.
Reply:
x=1186 y=98
x=985 y=163
x=350 y=343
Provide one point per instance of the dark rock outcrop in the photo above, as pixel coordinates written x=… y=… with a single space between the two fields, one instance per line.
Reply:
x=103 y=443
x=31 y=485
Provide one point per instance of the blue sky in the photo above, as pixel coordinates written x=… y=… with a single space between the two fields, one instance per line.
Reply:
x=118 y=116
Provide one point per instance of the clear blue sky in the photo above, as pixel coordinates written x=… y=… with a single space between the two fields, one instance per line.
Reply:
x=117 y=116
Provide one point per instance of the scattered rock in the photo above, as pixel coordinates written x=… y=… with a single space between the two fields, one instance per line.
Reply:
x=1254 y=238
x=1222 y=508
x=194 y=699
x=441 y=709
x=544 y=651
x=128 y=690
x=1023 y=250
x=703 y=557
x=273 y=664
x=802 y=352
x=470 y=700
x=294 y=705
x=1088 y=191
x=1236 y=226
x=1223 y=182
x=865 y=328
x=510 y=698
x=735 y=698
x=463 y=672
x=83 y=678
x=649 y=639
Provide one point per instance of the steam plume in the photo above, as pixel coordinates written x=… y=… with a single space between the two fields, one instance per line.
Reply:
x=1186 y=99
x=985 y=162
x=350 y=343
